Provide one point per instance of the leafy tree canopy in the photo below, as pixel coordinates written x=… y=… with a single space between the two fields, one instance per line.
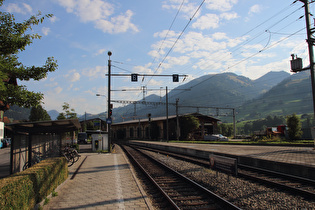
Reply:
x=14 y=39
x=188 y=124
x=68 y=113
x=39 y=114
x=294 y=127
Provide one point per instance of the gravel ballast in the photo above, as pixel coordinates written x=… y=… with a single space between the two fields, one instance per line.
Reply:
x=242 y=193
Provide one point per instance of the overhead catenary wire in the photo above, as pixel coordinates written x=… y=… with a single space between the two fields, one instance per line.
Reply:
x=247 y=41
x=266 y=46
x=169 y=29
x=182 y=32
x=237 y=63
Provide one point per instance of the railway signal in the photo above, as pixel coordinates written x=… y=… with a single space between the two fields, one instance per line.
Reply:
x=134 y=76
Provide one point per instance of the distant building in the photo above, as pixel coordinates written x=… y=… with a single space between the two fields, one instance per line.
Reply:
x=93 y=124
x=140 y=129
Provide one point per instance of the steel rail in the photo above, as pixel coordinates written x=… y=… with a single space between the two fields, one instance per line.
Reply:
x=221 y=201
x=263 y=176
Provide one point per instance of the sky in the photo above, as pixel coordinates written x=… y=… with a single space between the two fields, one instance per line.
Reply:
x=160 y=37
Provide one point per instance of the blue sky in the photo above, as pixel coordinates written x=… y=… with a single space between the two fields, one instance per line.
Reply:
x=247 y=37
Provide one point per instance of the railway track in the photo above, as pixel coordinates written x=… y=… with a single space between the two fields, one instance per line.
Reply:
x=179 y=191
x=292 y=184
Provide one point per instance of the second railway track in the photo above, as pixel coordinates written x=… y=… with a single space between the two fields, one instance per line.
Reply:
x=181 y=192
x=292 y=184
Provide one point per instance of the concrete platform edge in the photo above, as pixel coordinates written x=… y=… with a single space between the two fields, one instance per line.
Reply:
x=144 y=194
x=287 y=168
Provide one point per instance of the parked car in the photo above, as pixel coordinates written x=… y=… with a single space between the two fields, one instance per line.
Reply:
x=216 y=137
x=82 y=138
x=8 y=141
x=5 y=143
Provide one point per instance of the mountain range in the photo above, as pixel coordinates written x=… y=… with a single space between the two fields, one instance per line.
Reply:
x=275 y=93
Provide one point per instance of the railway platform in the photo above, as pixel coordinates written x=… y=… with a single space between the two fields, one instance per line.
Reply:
x=100 y=181
x=294 y=160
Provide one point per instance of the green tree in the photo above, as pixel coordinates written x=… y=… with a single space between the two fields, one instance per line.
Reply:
x=187 y=125
x=294 y=127
x=14 y=39
x=225 y=129
x=90 y=125
x=68 y=112
x=61 y=116
x=39 y=114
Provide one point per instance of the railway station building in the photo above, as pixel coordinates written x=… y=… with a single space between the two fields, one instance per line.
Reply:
x=155 y=128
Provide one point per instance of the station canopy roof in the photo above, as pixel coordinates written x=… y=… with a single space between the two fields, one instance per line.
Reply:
x=163 y=118
x=57 y=126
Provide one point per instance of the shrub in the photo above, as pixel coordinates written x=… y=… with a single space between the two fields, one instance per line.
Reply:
x=24 y=189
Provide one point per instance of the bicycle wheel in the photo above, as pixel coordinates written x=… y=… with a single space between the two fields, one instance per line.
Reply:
x=25 y=166
x=75 y=155
x=70 y=161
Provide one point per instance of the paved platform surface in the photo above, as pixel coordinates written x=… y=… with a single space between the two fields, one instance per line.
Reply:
x=4 y=162
x=103 y=181
x=287 y=154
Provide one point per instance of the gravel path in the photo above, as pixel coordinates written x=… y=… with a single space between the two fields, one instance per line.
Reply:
x=244 y=194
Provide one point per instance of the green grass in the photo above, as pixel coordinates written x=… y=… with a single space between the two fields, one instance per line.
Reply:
x=54 y=194
x=46 y=201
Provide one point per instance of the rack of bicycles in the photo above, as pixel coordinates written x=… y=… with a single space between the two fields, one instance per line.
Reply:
x=69 y=152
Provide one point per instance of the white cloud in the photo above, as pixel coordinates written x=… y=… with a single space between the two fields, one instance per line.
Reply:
x=52 y=84
x=16 y=8
x=143 y=69
x=118 y=24
x=187 y=9
x=101 y=14
x=58 y=90
x=163 y=33
x=73 y=76
x=229 y=16
x=45 y=30
x=100 y=51
x=220 y=5
x=181 y=60
x=206 y=22
x=255 y=9
x=219 y=36
x=28 y=8
x=194 y=41
x=53 y=19
x=96 y=72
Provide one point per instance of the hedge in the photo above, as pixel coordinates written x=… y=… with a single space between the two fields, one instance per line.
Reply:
x=25 y=189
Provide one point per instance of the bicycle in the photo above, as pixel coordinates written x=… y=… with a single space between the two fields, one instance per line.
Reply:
x=36 y=158
x=71 y=155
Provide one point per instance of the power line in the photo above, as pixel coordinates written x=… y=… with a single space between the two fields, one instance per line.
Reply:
x=180 y=7
x=220 y=58
x=160 y=64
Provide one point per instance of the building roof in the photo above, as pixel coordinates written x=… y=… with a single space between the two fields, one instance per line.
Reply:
x=164 y=118
x=57 y=126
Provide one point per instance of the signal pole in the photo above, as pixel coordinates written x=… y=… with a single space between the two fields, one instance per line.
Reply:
x=109 y=107
x=177 y=120
x=310 y=42
x=166 y=96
